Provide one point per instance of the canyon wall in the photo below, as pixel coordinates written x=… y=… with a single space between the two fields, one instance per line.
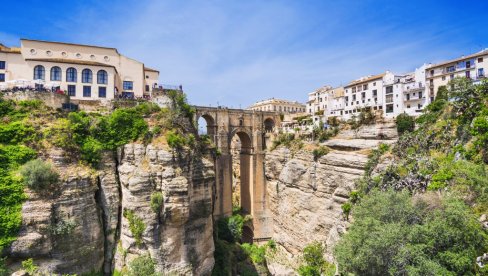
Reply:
x=305 y=193
x=80 y=227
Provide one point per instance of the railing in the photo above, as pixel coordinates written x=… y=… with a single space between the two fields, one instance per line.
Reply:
x=170 y=87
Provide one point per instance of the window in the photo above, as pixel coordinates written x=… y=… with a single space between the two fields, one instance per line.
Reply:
x=365 y=87
x=374 y=83
x=443 y=78
x=2 y=77
x=480 y=59
x=354 y=90
x=375 y=93
x=419 y=106
x=128 y=85
x=451 y=76
x=102 y=92
x=481 y=72
x=389 y=98
x=408 y=106
x=353 y=97
x=2 y=64
x=389 y=89
x=102 y=77
x=408 y=97
x=86 y=76
x=468 y=74
x=71 y=74
x=87 y=91
x=363 y=95
x=39 y=72
x=468 y=64
x=420 y=95
x=72 y=90
x=55 y=73
x=450 y=69
x=147 y=88
x=389 y=108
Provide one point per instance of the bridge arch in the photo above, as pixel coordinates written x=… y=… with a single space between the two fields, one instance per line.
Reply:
x=269 y=125
x=209 y=122
x=245 y=168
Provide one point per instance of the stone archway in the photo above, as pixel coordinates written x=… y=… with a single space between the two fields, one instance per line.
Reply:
x=269 y=125
x=245 y=170
x=211 y=126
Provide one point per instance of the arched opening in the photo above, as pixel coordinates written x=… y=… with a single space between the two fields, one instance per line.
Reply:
x=206 y=126
x=247 y=234
x=241 y=151
x=269 y=125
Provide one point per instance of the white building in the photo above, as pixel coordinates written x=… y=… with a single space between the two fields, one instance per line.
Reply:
x=278 y=105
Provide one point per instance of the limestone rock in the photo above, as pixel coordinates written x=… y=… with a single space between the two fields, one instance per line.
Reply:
x=305 y=198
x=181 y=240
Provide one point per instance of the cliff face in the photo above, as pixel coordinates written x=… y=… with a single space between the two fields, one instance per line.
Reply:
x=305 y=195
x=180 y=240
x=81 y=228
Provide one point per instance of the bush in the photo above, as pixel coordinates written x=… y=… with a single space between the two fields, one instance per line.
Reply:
x=136 y=225
x=314 y=263
x=256 y=253
x=15 y=132
x=319 y=152
x=39 y=175
x=392 y=234
x=29 y=267
x=142 y=266
x=346 y=209
x=157 y=199
x=175 y=140
x=405 y=123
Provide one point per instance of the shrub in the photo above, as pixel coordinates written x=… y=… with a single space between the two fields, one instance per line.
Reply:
x=29 y=267
x=142 y=266
x=157 y=199
x=136 y=225
x=346 y=209
x=39 y=175
x=392 y=234
x=175 y=140
x=405 y=123
x=256 y=253
x=15 y=132
x=319 y=152
x=314 y=263
x=4 y=271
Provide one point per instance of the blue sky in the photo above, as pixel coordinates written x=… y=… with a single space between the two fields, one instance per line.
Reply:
x=238 y=52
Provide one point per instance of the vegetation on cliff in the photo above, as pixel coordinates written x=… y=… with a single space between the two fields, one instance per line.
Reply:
x=418 y=211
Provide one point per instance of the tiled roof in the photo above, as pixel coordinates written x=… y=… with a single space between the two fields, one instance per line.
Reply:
x=482 y=53
x=366 y=79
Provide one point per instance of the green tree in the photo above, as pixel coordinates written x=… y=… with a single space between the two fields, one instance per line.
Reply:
x=393 y=234
x=314 y=263
x=405 y=123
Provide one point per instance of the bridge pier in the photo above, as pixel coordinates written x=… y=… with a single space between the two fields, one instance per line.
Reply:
x=250 y=127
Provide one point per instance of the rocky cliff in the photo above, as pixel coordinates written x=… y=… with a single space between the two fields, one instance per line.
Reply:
x=81 y=227
x=306 y=193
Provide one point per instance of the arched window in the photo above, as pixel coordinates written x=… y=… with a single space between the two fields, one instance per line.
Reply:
x=86 y=76
x=71 y=74
x=39 y=72
x=102 y=77
x=55 y=73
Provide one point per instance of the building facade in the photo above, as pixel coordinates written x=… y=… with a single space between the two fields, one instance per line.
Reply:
x=473 y=67
x=84 y=72
x=277 y=105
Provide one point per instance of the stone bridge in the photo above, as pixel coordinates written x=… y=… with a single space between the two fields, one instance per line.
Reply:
x=254 y=130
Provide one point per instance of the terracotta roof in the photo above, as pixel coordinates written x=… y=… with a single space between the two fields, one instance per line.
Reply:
x=72 y=44
x=150 y=69
x=70 y=61
x=481 y=53
x=355 y=82
x=5 y=49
